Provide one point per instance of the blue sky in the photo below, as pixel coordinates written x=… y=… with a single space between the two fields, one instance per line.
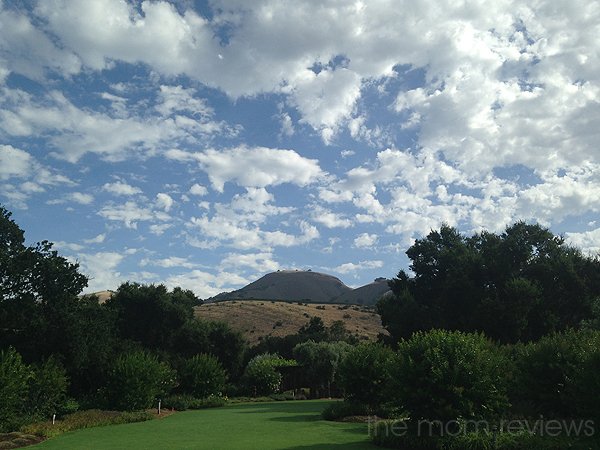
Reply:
x=203 y=144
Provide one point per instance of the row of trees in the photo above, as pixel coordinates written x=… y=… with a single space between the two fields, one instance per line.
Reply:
x=452 y=379
x=519 y=285
x=57 y=346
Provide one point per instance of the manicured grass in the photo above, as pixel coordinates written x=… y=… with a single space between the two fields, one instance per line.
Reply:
x=261 y=426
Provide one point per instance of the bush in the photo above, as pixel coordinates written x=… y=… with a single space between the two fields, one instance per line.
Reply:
x=14 y=377
x=364 y=374
x=584 y=389
x=185 y=402
x=260 y=376
x=47 y=390
x=136 y=380
x=442 y=375
x=203 y=376
x=548 y=368
x=321 y=361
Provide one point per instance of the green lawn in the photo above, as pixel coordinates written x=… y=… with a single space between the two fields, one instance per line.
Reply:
x=260 y=426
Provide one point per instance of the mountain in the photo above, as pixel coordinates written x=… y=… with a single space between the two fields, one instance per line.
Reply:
x=306 y=286
x=366 y=295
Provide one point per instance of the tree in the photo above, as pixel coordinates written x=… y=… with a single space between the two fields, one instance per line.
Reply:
x=89 y=342
x=260 y=376
x=34 y=281
x=203 y=376
x=338 y=331
x=150 y=314
x=14 y=378
x=320 y=361
x=136 y=380
x=47 y=389
x=520 y=285
x=315 y=329
x=217 y=338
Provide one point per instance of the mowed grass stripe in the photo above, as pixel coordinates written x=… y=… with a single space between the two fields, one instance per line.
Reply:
x=260 y=426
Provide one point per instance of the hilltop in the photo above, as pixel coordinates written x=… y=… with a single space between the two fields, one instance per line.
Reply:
x=296 y=285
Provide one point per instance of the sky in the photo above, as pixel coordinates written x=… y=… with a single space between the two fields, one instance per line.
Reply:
x=203 y=144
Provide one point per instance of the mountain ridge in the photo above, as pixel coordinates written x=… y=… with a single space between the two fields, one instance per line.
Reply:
x=306 y=285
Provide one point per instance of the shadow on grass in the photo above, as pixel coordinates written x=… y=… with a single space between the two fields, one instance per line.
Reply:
x=297 y=418
x=353 y=445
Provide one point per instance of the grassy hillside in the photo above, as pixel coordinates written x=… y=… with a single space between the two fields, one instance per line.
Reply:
x=102 y=295
x=259 y=319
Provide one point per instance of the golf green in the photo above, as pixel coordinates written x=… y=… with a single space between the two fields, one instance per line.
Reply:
x=260 y=426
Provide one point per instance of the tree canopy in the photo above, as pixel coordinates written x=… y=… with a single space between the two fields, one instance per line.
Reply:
x=515 y=286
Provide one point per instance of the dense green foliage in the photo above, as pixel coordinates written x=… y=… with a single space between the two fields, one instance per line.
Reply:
x=314 y=330
x=520 y=285
x=321 y=361
x=149 y=314
x=136 y=380
x=185 y=402
x=558 y=375
x=47 y=390
x=446 y=376
x=261 y=376
x=31 y=392
x=203 y=376
x=216 y=338
x=14 y=377
x=364 y=374
x=38 y=291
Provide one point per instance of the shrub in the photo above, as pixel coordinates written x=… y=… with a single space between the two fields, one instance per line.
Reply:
x=548 y=368
x=203 y=376
x=321 y=361
x=442 y=375
x=584 y=389
x=14 y=377
x=260 y=376
x=364 y=373
x=136 y=380
x=185 y=402
x=47 y=390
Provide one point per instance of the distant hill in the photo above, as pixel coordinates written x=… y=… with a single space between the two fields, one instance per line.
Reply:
x=366 y=295
x=258 y=319
x=102 y=295
x=296 y=285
